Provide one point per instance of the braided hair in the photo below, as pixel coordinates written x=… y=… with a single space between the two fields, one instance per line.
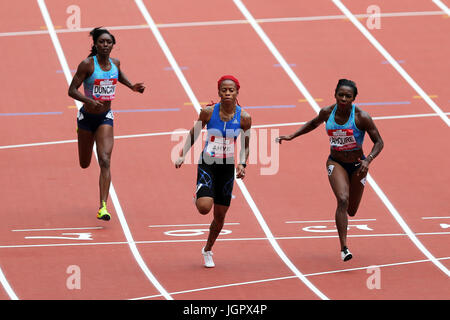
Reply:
x=347 y=83
x=95 y=34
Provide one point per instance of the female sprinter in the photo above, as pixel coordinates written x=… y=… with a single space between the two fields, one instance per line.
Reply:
x=99 y=74
x=347 y=166
x=215 y=173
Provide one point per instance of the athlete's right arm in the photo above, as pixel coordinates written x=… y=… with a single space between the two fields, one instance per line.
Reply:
x=312 y=124
x=83 y=71
x=203 y=119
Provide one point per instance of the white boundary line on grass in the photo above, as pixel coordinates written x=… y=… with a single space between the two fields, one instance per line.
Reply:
x=239 y=182
x=112 y=192
x=316 y=107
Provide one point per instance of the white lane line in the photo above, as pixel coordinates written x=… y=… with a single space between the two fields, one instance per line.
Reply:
x=308 y=96
x=277 y=54
x=405 y=226
x=54 y=245
x=153 y=134
x=425 y=218
x=275 y=244
x=9 y=290
x=168 y=54
x=376 y=235
x=274 y=125
x=244 y=190
x=392 y=61
x=409 y=116
x=57 y=229
x=441 y=5
x=189 y=225
x=314 y=221
x=316 y=107
x=290 y=277
x=25 y=145
x=228 y=22
x=112 y=192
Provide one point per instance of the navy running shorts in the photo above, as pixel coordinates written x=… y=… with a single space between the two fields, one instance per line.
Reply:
x=91 y=121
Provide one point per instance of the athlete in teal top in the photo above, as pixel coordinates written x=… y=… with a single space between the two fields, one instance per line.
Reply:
x=347 y=166
x=347 y=136
x=101 y=84
x=99 y=73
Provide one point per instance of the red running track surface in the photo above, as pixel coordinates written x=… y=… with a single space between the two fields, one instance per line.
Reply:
x=49 y=203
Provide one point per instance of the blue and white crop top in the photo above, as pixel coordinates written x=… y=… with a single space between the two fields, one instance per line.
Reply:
x=221 y=140
x=101 y=85
x=346 y=137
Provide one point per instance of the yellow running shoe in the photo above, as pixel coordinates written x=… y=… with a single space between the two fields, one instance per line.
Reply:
x=103 y=213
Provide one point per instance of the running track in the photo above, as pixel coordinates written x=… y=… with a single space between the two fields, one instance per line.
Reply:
x=280 y=241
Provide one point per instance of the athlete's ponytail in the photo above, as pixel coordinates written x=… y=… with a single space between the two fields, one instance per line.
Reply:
x=95 y=33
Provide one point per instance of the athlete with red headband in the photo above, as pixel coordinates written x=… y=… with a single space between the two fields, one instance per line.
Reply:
x=215 y=173
x=99 y=75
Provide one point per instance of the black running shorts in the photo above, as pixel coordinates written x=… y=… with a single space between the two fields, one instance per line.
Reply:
x=215 y=181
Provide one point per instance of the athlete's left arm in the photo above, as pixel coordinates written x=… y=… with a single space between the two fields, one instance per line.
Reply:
x=137 y=87
x=365 y=122
x=246 y=124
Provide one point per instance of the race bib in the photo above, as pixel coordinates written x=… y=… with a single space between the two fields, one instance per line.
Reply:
x=220 y=147
x=342 y=139
x=104 y=89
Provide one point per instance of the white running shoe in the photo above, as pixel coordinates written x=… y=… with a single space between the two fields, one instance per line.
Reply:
x=207 y=256
x=346 y=254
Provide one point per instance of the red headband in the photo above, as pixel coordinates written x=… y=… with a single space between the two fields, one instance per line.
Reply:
x=228 y=77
